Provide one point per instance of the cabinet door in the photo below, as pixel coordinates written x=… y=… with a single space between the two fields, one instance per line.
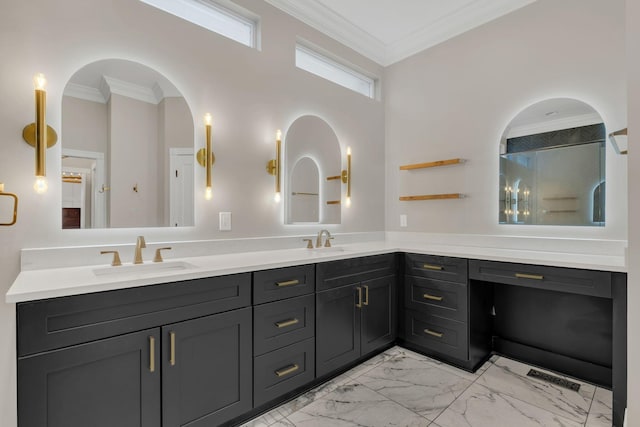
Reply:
x=206 y=369
x=105 y=383
x=337 y=329
x=378 y=313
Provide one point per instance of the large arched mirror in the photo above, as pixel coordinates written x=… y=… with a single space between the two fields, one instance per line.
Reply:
x=552 y=166
x=127 y=149
x=312 y=171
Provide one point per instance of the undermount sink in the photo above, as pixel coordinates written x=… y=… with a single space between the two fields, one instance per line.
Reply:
x=326 y=250
x=132 y=269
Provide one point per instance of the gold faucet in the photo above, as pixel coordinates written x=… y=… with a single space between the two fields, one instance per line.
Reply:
x=140 y=244
x=319 y=239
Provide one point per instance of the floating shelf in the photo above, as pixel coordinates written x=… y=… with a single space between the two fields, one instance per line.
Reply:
x=432 y=197
x=431 y=164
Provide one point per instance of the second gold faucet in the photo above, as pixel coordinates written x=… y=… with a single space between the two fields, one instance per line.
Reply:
x=140 y=244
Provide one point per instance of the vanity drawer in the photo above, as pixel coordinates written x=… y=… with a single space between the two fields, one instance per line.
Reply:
x=436 y=267
x=445 y=336
x=444 y=299
x=281 y=323
x=571 y=280
x=282 y=371
x=60 y=322
x=334 y=274
x=281 y=283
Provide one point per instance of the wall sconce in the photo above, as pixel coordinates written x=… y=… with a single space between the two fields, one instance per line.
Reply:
x=346 y=177
x=39 y=135
x=273 y=166
x=507 y=200
x=206 y=158
x=15 y=206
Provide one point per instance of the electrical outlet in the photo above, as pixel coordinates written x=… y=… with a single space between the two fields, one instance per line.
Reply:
x=225 y=221
x=403 y=220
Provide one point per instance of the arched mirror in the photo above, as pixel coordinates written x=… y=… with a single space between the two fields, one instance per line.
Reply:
x=312 y=172
x=552 y=166
x=127 y=149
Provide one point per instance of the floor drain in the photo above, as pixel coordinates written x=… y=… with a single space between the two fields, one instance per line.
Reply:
x=554 y=380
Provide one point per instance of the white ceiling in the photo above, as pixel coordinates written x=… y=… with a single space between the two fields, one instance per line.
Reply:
x=387 y=31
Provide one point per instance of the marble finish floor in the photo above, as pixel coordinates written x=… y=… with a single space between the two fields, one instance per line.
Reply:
x=403 y=388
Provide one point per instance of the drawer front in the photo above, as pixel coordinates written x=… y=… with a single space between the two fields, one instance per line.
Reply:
x=60 y=322
x=445 y=336
x=281 y=283
x=444 y=299
x=282 y=323
x=571 y=280
x=334 y=274
x=436 y=267
x=282 y=371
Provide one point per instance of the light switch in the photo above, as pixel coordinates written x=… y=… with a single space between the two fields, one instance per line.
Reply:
x=403 y=220
x=225 y=221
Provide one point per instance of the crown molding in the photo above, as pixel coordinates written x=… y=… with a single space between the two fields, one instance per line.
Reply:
x=130 y=90
x=344 y=31
x=335 y=26
x=553 y=125
x=84 y=92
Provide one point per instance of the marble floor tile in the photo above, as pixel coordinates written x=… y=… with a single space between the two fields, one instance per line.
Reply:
x=479 y=406
x=601 y=409
x=355 y=405
x=265 y=420
x=313 y=395
x=508 y=377
x=417 y=385
x=283 y=423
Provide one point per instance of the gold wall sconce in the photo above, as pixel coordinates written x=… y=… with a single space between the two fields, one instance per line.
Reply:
x=346 y=177
x=273 y=166
x=39 y=135
x=14 y=217
x=619 y=140
x=206 y=158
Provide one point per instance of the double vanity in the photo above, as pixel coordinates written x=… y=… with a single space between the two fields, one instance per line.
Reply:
x=222 y=338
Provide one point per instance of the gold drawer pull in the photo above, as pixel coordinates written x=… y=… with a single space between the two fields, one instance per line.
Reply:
x=286 y=371
x=172 y=348
x=529 y=276
x=366 y=295
x=434 y=333
x=152 y=354
x=359 y=304
x=433 y=267
x=288 y=283
x=285 y=323
x=433 y=297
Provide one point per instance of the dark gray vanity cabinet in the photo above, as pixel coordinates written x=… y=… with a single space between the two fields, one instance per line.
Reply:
x=355 y=309
x=284 y=331
x=436 y=311
x=173 y=355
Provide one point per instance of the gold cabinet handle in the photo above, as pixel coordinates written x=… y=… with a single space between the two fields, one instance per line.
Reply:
x=288 y=283
x=172 y=348
x=529 y=276
x=152 y=354
x=285 y=323
x=359 y=304
x=433 y=267
x=433 y=297
x=366 y=295
x=434 y=333
x=286 y=371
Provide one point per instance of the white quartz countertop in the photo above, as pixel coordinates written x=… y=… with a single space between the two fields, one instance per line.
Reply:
x=58 y=282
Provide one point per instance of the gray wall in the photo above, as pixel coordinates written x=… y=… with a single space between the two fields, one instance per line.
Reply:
x=250 y=94
x=456 y=99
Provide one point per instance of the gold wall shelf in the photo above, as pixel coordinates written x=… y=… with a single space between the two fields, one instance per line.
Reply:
x=432 y=197
x=431 y=164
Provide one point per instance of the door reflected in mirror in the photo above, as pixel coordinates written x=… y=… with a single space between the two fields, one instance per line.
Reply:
x=552 y=166
x=127 y=149
x=312 y=168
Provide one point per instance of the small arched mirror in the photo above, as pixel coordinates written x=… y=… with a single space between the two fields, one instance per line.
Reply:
x=127 y=149
x=312 y=170
x=552 y=166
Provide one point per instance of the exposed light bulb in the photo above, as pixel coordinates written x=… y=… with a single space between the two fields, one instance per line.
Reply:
x=207 y=119
x=278 y=135
x=41 y=185
x=348 y=201
x=277 y=197
x=208 y=193
x=39 y=82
